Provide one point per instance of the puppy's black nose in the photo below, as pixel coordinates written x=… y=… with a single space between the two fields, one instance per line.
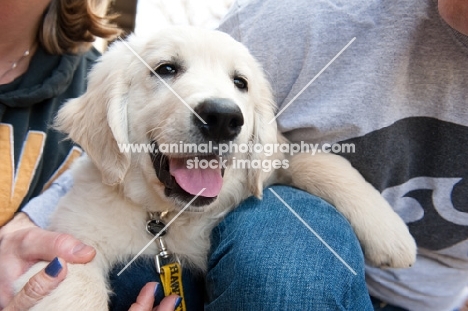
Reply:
x=223 y=119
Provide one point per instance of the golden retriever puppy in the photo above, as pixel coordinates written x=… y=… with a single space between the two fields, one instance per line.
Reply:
x=201 y=87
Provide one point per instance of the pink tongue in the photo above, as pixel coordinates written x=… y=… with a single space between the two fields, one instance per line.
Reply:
x=194 y=179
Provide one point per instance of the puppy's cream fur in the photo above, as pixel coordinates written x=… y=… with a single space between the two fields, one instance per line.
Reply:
x=113 y=192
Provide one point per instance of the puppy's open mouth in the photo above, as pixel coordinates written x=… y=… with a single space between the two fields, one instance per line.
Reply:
x=185 y=177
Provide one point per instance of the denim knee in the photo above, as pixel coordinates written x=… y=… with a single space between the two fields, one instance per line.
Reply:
x=264 y=258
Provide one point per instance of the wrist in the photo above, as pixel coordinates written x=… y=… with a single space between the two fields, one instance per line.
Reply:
x=20 y=221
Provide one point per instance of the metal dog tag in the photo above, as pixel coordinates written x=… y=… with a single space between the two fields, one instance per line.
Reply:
x=155 y=227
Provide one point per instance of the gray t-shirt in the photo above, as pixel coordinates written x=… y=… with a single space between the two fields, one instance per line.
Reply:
x=399 y=92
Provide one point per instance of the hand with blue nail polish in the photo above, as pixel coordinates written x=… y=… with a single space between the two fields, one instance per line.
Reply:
x=22 y=244
x=44 y=282
x=145 y=300
x=39 y=286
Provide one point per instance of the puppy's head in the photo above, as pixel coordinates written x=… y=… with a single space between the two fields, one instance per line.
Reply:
x=180 y=87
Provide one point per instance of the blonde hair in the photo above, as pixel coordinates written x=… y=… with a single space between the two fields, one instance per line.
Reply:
x=70 y=26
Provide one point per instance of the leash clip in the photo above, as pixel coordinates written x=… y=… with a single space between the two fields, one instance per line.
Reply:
x=170 y=271
x=158 y=261
x=155 y=226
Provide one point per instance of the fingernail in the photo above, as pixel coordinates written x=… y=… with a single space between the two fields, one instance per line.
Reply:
x=53 y=268
x=177 y=302
x=156 y=288
x=82 y=250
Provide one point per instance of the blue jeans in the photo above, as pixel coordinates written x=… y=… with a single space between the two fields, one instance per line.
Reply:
x=264 y=258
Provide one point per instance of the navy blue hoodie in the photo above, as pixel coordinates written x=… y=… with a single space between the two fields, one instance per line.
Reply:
x=31 y=152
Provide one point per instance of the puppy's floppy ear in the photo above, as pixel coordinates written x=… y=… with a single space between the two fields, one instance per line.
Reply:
x=97 y=120
x=264 y=133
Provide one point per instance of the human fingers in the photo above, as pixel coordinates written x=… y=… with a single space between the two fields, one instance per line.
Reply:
x=24 y=239
x=145 y=299
x=22 y=244
x=169 y=303
x=39 y=286
x=11 y=267
x=36 y=244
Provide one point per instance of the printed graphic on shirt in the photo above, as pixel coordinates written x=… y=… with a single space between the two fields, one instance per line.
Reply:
x=74 y=154
x=420 y=166
x=15 y=181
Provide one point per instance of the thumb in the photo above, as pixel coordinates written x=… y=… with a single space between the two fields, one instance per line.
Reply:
x=39 y=286
x=42 y=244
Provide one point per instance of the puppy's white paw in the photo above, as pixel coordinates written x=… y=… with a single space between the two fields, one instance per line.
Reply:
x=388 y=243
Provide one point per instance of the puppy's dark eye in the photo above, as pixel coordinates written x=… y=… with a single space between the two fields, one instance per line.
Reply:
x=240 y=83
x=167 y=70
